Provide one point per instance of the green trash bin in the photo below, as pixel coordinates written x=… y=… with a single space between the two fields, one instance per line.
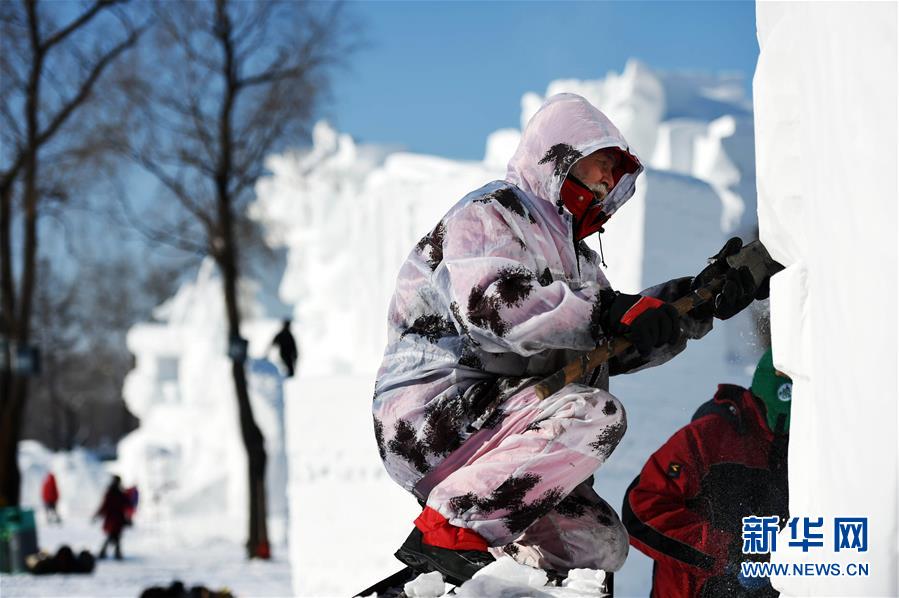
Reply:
x=18 y=538
x=5 y=562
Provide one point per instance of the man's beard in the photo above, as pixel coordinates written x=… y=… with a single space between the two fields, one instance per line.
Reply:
x=600 y=190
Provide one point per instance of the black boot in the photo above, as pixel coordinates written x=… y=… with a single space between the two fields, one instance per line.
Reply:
x=457 y=566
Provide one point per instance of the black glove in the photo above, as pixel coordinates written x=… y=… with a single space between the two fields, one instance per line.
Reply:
x=739 y=289
x=645 y=321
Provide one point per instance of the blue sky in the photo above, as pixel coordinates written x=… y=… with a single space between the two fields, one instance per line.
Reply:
x=438 y=77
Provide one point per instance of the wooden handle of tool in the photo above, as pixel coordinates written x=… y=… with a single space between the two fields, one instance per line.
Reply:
x=576 y=369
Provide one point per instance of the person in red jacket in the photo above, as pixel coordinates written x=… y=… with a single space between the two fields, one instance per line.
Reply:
x=113 y=510
x=50 y=496
x=685 y=509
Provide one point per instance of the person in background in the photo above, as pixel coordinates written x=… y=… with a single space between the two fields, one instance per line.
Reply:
x=113 y=510
x=685 y=509
x=287 y=348
x=50 y=496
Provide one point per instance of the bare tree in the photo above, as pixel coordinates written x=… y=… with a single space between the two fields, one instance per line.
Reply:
x=55 y=58
x=235 y=81
x=82 y=319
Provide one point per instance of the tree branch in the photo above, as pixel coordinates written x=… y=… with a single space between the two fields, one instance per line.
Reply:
x=192 y=112
x=256 y=23
x=251 y=168
x=172 y=24
x=77 y=23
x=87 y=85
x=272 y=75
x=310 y=55
x=158 y=236
x=178 y=190
x=10 y=121
x=7 y=288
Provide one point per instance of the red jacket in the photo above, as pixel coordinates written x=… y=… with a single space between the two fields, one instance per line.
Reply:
x=685 y=509
x=49 y=492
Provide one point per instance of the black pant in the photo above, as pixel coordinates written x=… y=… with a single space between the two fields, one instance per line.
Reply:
x=289 y=363
x=112 y=539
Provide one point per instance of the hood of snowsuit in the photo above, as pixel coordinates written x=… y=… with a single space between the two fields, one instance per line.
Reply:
x=565 y=129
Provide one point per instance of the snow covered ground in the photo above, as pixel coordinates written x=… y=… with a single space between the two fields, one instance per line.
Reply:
x=199 y=549
x=151 y=559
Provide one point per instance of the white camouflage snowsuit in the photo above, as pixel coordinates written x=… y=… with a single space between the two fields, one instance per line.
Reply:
x=497 y=296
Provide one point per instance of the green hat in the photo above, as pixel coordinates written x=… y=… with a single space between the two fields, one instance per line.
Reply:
x=775 y=390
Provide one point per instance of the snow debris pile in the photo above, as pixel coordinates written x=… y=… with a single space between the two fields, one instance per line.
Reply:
x=585 y=581
x=427 y=585
x=507 y=578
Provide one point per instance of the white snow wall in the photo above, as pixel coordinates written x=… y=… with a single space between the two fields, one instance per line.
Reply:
x=825 y=126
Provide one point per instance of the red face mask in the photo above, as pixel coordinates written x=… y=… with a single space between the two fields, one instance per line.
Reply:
x=587 y=211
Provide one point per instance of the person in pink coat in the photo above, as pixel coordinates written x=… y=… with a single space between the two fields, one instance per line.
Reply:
x=502 y=292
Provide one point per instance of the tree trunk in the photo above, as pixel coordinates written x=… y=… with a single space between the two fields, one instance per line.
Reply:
x=16 y=385
x=225 y=251
x=254 y=443
x=8 y=427
x=257 y=538
x=16 y=388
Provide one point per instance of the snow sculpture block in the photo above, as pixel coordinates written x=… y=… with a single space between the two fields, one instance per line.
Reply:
x=825 y=96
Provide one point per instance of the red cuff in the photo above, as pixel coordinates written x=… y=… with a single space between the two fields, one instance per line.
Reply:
x=645 y=303
x=437 y=531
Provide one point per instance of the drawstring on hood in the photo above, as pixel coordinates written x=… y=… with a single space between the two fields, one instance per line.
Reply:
x=602 y=258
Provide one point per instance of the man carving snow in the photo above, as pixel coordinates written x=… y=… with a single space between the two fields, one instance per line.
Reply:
x=502 y=292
